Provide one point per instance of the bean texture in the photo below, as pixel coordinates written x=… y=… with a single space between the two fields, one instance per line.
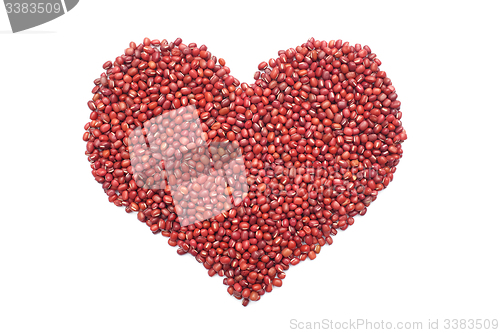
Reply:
x=250 y=179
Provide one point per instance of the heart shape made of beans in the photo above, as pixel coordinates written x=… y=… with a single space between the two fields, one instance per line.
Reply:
x=248 y=178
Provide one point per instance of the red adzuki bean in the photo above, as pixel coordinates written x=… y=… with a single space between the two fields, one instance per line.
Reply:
x=319 y=131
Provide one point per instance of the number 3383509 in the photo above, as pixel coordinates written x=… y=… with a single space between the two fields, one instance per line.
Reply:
x=32 y=8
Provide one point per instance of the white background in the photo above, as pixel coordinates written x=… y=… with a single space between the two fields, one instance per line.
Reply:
x=427 y=249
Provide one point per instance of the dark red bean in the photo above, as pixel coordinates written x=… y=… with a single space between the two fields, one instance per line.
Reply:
x=319 y=132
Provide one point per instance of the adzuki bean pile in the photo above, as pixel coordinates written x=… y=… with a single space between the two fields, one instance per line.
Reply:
x=319 y=131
